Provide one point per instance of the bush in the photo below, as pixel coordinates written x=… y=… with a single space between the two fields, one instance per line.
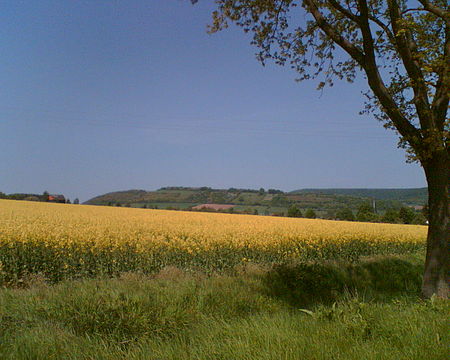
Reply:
x=406 y=215
x=366 y=214
x=310 y=214
x=304 y=284
x=345 y=214
x=294 y=211
x=390 y=216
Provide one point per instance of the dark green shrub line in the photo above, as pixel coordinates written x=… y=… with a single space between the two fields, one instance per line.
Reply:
x=56 y=262
x=305 y=284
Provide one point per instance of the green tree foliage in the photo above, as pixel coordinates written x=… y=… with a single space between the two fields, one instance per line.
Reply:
x=402 y=48
x=275 y=191
x=310 y=214
x=345 y=214
x=391 y=216
x=419 y=219
x=406 y=215
x=366 y=213
x=294 y=211
x=279 y=200
x=218 y=197
x=76 y=201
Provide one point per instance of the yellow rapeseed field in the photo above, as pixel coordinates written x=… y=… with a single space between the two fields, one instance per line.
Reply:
x=65 y=241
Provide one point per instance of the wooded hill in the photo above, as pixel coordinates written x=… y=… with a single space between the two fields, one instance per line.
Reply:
x=406 y=196
x=265 y=201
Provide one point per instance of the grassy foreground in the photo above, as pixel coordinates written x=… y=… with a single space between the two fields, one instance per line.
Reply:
x=365 y=310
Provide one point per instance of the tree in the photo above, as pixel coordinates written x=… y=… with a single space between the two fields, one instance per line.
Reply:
x=294 y=211
x=365 y=213
x=345 y=214
x=390 y=216
x=419 y=219
x=310 y=214
x=402 y=48
x=406 y=215
x=76 y=201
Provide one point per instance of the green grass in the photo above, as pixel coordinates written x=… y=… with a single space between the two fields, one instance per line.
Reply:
x=327 y=310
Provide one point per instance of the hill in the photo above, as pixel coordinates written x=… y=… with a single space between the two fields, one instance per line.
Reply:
x=270 y=201
x=415 y=196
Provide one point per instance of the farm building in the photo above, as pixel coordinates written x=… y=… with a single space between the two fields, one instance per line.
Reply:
x=56 y=198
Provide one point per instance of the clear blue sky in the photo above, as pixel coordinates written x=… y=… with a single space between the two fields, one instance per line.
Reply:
x=99 y=96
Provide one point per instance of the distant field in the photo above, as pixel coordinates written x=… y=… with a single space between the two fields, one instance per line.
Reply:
x=68 y=241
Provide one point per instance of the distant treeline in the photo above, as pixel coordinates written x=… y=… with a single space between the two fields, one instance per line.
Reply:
x=365 y=213
x=231 y=190
x=410 y=196
x=44 y=197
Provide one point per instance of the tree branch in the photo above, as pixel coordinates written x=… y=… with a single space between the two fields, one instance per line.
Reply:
x=411 y=10
x=347 y=13
x=376 y=83
x=367 y=62
x=406 y=48
x=436 y=11
x=344 y=43
x=382 y=25
x=441 y=97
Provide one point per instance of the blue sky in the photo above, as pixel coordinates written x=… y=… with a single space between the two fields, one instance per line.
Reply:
x=99 y=96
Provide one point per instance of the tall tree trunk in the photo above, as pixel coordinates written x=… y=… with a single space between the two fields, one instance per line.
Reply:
x=437 y=264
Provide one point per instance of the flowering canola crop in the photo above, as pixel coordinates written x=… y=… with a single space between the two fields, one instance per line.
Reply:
x=66 y=241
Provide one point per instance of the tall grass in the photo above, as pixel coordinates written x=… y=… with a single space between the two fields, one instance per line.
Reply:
x=368 y=310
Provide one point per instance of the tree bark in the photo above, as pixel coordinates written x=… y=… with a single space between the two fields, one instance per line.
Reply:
x=436 y=277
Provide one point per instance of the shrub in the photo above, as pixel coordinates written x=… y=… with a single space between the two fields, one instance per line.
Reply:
x=304 y=284
x=310 y=214
x=294 y=211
